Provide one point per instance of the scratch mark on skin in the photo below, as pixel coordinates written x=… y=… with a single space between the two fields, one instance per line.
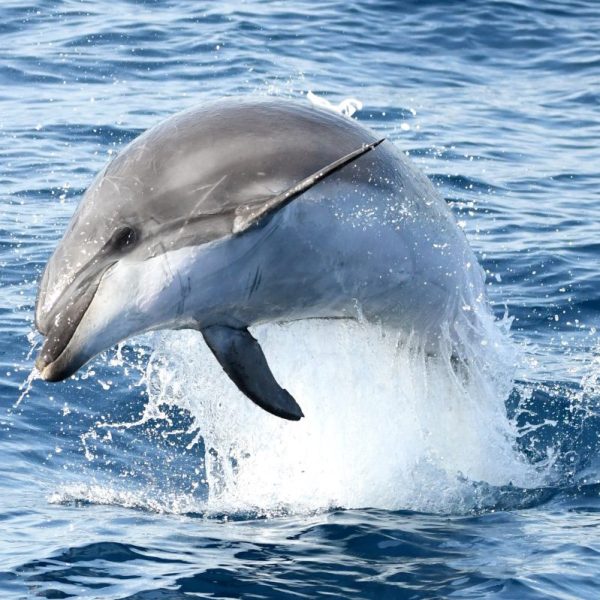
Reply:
x=112 y=180
x=186 y=291
x=203 y=187
x=255 y=282
x=210 y=188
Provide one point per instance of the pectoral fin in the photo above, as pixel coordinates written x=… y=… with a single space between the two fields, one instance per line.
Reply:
x=243 y=360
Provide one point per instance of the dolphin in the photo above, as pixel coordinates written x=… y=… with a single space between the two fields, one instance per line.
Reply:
x=252 y=211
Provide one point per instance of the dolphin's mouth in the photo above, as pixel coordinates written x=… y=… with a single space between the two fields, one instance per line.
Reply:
x=54 y=361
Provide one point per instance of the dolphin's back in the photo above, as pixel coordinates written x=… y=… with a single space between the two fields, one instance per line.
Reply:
x=214 y=159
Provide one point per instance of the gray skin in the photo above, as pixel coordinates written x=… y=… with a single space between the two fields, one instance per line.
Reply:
x=197 y=224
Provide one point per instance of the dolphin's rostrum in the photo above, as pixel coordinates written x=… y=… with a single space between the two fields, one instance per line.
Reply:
x=247 y=212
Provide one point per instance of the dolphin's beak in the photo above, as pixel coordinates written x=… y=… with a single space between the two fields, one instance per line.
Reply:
x=55 y=362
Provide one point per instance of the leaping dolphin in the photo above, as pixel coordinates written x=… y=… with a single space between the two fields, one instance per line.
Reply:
x=245 y=212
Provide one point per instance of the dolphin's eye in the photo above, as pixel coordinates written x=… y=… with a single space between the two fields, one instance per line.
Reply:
x=123 y=238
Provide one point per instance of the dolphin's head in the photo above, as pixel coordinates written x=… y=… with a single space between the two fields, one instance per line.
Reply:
x=113 y=274
x=103 y=239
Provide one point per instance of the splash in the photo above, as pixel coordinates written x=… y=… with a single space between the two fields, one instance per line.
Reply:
x=346 y=107
x=96 y=493
x=386 y=425
x=25 y=387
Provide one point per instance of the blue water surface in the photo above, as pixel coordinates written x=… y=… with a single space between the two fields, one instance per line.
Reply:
x=498 y=102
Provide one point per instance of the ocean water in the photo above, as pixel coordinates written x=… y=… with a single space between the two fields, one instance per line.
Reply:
x=148 y=476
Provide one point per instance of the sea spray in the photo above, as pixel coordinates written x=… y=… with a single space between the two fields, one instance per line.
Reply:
x=387 y=424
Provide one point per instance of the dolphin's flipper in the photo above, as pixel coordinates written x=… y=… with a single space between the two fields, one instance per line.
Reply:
x=248 y=215
x=243 y=360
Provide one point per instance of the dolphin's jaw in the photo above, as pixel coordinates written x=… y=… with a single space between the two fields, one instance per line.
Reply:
x=56 y=360
x=59 y=369
x=64 y=323
x=126 y=298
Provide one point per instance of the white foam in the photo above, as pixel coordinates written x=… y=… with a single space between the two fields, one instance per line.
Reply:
x=151 y=500
x=385 y=425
